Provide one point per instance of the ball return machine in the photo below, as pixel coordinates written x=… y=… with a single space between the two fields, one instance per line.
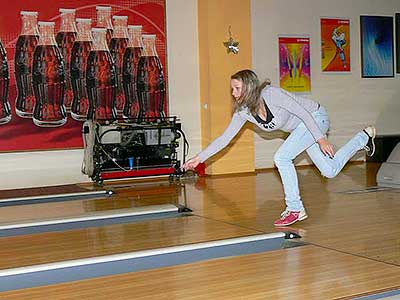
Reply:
x=129 y=148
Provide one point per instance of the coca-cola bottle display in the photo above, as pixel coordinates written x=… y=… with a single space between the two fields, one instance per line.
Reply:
x=48 y=80
x=79 y=55
x=104 y=21
x=65 y=40
x=5 y=108
x=118 y=44
x=24 y=49
x=129 y=70
x=150 y=81
x=100 y=79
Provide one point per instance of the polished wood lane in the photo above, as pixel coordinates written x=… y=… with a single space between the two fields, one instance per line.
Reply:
x=49 y=247
x=307 y=272
x=365 y=224
x=354 y=243
x=125 y=197
x=70 y=188
x=77 y=207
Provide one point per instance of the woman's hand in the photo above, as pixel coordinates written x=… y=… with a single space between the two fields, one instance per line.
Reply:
x=191 y=163
x=326 y=147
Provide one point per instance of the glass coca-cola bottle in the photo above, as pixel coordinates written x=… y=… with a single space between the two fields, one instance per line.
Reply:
x=150 y=81
x=65 y=40
x=5 y=109
x=48 y=80
x=104 y=21
x=100 y=79
x=79 y=55
x=129 y=71
x=24 y=49
x=118 y=44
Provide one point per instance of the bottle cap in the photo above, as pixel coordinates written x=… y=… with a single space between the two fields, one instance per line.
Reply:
x=29 y=13
x=97 y=29
x=120 y=17
x=106 y=8
x=46 y=23
x=149 y=36
x=135 y=26
x=67 y=10
x=82 y=20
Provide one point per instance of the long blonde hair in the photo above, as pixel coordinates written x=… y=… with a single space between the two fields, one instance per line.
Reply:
x=251 y=91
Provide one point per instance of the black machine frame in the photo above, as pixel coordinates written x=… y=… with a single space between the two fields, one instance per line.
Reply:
x=126 y=148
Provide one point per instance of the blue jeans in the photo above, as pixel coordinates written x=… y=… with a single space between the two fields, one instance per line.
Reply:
x=301 y=139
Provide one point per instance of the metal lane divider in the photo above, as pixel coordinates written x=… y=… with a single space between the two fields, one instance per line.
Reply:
x=78 y=269
x=92 y=219
x=55 y=197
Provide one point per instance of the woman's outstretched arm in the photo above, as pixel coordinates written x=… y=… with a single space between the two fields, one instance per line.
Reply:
x=218 y=144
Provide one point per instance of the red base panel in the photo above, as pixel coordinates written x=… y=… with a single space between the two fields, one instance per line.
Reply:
x=137 y=173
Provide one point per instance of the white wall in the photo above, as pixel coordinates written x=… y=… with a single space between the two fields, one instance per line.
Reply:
x=183 y=68
x=41 y=168
x=352 y=102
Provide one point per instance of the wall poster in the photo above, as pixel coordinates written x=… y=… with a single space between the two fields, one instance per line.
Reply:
x=18 y=132
x=377 y=49
x=335 y=45
x=294 y=63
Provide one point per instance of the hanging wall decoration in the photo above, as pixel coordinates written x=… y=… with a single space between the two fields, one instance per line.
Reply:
x=42 y=104
x=377 y=56
x=231 y=45
x=294 y=63
x=335 y=45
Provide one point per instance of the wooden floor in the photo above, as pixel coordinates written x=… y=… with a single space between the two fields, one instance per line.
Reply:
x=352 y=239
x=120 y=238
x=126 y=198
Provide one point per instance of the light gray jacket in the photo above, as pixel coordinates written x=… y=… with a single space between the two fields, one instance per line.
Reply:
x=288 y=112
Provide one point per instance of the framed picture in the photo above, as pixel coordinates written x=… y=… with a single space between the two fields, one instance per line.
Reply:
x=397 y=22
x=377 y=46
x=335 y=45
x=294 y=63
x=20 y=133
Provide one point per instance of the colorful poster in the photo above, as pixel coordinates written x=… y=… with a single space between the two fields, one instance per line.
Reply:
x=335 y=45
x=21 y=134
x=377 y=46
x=294 y=63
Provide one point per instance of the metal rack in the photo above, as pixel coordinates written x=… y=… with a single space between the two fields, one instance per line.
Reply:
x=129 y=148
